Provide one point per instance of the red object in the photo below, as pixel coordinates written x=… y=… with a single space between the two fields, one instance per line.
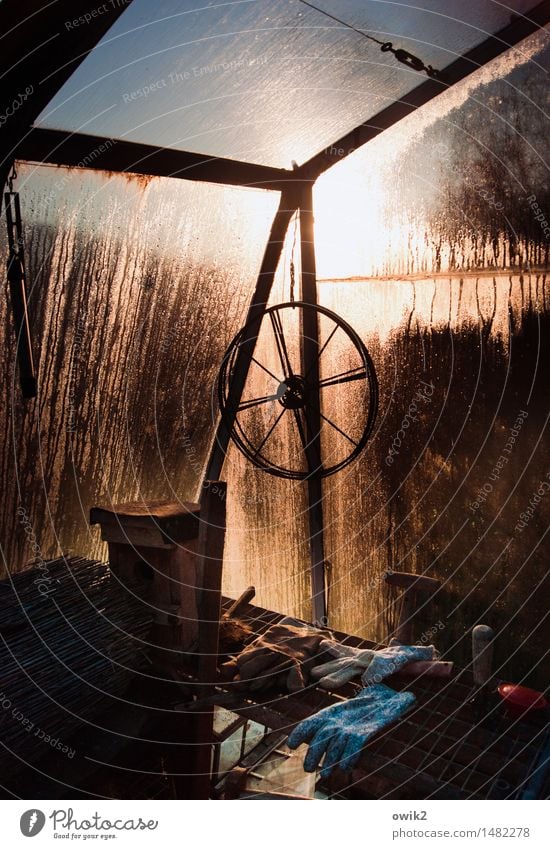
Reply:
x=520 y=701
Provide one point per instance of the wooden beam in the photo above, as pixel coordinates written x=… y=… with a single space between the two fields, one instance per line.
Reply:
x=509 y=36
x=310 y=367
x=57 y=147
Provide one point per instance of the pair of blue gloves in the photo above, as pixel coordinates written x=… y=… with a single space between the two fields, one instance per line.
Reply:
x=339 y=732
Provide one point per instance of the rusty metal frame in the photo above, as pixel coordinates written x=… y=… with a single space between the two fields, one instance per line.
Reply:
x=58 y=147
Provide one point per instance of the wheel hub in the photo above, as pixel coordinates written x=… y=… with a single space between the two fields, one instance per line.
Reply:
x=291 y=393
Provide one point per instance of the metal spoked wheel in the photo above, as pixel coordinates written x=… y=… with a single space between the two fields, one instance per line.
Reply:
x=273 y=423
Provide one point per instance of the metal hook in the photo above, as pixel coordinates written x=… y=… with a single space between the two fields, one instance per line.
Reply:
x=409 y=59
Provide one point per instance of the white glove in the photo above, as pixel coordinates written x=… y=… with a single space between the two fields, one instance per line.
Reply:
x=373 y=665
x=349 y=663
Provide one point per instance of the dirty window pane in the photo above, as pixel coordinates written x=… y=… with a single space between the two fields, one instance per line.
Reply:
x=432 y=246
x=136 y=288
x=438 y=291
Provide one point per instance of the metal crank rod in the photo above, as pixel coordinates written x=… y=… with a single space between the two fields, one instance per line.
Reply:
x=18 y=292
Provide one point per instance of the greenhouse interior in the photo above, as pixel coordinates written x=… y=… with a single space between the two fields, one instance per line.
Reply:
x=274 y=465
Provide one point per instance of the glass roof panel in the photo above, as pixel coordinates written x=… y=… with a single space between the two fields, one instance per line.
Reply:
x=266 y=81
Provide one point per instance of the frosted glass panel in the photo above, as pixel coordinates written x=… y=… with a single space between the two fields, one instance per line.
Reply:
x=432 y=245
x=267 y=81
x=137 y=287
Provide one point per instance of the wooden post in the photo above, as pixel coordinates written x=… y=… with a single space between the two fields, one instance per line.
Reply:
x=209 y=570
x=310 y=365
x=152 y=552
x=482 y=654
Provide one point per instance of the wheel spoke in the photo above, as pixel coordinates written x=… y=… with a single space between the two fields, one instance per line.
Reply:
x=270 y=373
x=253 y=402
x=268 y=434
x=331 y=423
x=322 y=349
x=358 y=373
x=281 y=344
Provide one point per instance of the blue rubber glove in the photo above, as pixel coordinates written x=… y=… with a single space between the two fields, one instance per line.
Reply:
x=340 y=731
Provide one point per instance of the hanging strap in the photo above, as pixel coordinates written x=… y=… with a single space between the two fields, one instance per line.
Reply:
x=18 y=290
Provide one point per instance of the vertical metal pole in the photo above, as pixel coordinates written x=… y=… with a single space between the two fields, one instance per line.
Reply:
x=287 y=207
x=310 y=365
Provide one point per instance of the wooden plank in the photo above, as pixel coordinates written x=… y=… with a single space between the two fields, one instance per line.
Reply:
x=134 y=536
x=138 y=512
x=399 y=778
x=168 y=522
x=440 y=768
x=488 y=762
x=435 y=713
x=59 y=147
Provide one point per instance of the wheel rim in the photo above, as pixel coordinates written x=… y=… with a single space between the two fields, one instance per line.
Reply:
x=289 y=393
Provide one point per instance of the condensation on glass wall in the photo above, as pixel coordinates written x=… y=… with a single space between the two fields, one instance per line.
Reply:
x=419 y=252
x=457 y=333
x=137 y=286
x=437 y=228
x=453 y=187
